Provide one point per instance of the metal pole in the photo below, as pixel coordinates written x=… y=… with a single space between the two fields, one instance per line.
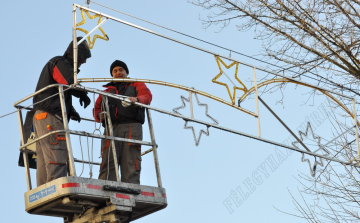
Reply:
x=328 y=143
x=191 y=105
x=257 y=103
x=82 y=133
x=24 y=153
x=67 y=134
x=147 y=151
x=85 y=161
x=118 y=97
x=36 y=93
x=111 y=133
x=279 y=119
x=154 y=148
x=89 y=33
x=75 y=44
x=85 y=80
x=356 y=130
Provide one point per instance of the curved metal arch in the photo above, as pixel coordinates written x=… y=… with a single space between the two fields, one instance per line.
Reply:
x=167 y=84
x=285 y=80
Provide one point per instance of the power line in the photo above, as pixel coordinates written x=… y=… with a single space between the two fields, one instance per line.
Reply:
x=33 y=104
x=221 y=47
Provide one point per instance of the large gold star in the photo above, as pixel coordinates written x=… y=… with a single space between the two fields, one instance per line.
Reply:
x=96 y=36
x=232 y=96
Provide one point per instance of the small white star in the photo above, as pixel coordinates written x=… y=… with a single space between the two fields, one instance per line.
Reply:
x=175 y=110
x=321 y=148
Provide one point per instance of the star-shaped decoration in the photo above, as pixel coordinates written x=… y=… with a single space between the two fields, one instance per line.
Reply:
x=317 y=139
x=214 y=80
x=175 y=110
x=96 y=36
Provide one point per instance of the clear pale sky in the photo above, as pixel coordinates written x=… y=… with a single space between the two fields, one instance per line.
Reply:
x=201 y=182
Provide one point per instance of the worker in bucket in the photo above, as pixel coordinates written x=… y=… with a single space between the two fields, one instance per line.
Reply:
x=127 y=120
x=52 y=153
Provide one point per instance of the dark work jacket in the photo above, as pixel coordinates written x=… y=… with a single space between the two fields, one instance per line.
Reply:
x=121 y=114
x=59 y=70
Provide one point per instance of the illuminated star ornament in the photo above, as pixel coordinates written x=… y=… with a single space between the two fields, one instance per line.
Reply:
x=321 y=148
x=96 y=36
x=214 y=80
x=197 y=140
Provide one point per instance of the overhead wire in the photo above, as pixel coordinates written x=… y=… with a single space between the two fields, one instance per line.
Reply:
x=230 y=50
x=33 y=103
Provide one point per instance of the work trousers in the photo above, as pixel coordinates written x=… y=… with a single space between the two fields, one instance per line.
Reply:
x=51 y=151
x=128 y=154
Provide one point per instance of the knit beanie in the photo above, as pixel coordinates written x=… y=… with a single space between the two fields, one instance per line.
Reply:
x=117 y=63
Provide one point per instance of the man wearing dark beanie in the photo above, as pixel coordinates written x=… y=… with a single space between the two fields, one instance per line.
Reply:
x=127 y=120
x=119 y=63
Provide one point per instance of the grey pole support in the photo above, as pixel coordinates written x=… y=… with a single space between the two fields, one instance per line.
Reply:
x=89 y=33
x=154 y=148
x=111 y=133
x=67 y=134
x=257 y=103
x=75 y=44
x=24 y=153
x=356 y=131
x=191 y=105
x=279 y=119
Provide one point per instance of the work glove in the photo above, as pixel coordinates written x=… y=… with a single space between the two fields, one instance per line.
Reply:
x=75 y=116
x=84 y=99
x=125 y=104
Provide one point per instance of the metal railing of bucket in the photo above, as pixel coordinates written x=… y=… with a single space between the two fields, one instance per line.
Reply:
x=67 y=132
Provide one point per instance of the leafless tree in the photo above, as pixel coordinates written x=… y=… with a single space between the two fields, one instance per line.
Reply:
x=336 y=196
x=318 y=39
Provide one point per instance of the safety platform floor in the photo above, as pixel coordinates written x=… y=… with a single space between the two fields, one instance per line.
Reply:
x=77 y=199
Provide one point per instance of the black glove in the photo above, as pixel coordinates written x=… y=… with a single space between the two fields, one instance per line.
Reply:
x=75 y=116
x=84 y=98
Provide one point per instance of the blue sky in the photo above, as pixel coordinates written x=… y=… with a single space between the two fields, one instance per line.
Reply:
x=201 y=182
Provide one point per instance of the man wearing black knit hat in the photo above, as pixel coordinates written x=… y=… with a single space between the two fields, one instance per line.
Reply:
x=127 y=120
